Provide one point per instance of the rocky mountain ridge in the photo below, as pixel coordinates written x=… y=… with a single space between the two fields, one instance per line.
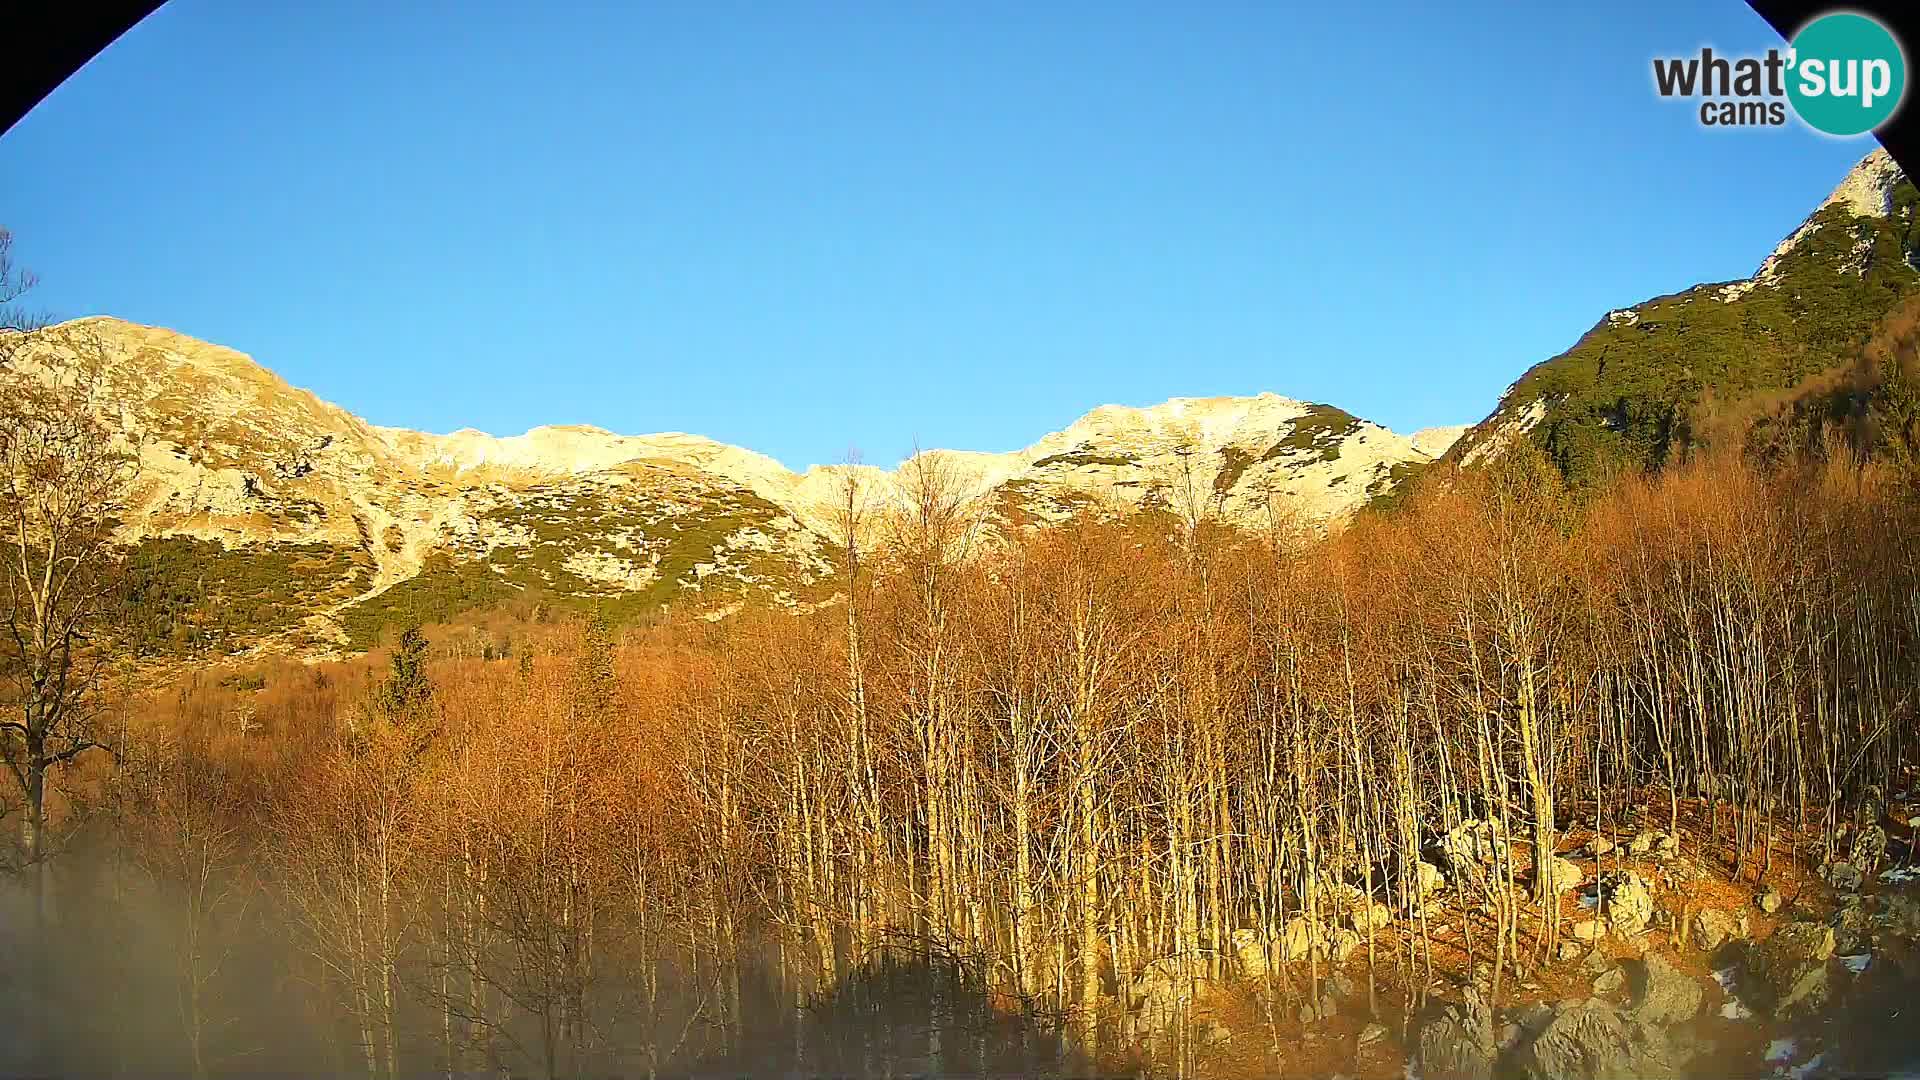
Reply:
x=297 y=521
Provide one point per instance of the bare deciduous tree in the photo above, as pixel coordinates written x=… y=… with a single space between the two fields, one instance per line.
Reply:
x=65 y=479
x=15 y=282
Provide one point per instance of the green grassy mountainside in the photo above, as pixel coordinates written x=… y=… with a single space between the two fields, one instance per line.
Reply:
x=1646 y=382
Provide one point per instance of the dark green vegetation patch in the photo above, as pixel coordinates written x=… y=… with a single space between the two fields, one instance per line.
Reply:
x=441 y=590
x=562 y=524
x=1017 y=503
x=1317 y=435
x=1233 y=463
x=1073 y=459
x=188 y=597
x=1392 y=485
x=1313 y=437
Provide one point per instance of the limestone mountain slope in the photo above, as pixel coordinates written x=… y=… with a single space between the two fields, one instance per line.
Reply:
x=1639 y=385
x=268 y=516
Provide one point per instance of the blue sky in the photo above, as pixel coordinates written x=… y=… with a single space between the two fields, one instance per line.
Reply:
x=807 y=226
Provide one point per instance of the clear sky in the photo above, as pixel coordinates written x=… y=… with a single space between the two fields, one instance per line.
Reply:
x=807 y=226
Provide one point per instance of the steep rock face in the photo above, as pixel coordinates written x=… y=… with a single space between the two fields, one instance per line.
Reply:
x=1643 y=382
x=268 y=515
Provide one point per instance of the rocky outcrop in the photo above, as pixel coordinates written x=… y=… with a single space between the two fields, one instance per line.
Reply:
x=1456 y=1042
x=1900 y=914
x=1645 y=1018
x=1343 y=943
x=1593 y=1040
x=1253 y=953
x=1842 y=875
x=1436 y=441
x=1662 y=994
x=1627 y=900
x=1565 y=876
x=1162 y=993
x=1787 y=973
x=1852 y=923
x=1712 y=929
x=1869 y=847
x=1645 y=1032
x=1649 y=842
x=1423 y=881
x=1469 y=848
x=1369 y=917
x=1257 y=952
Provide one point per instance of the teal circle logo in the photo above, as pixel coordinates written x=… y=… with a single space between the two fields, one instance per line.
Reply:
x=1848 y=74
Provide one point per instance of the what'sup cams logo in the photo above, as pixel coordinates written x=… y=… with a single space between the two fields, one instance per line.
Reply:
x=1843 y=74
